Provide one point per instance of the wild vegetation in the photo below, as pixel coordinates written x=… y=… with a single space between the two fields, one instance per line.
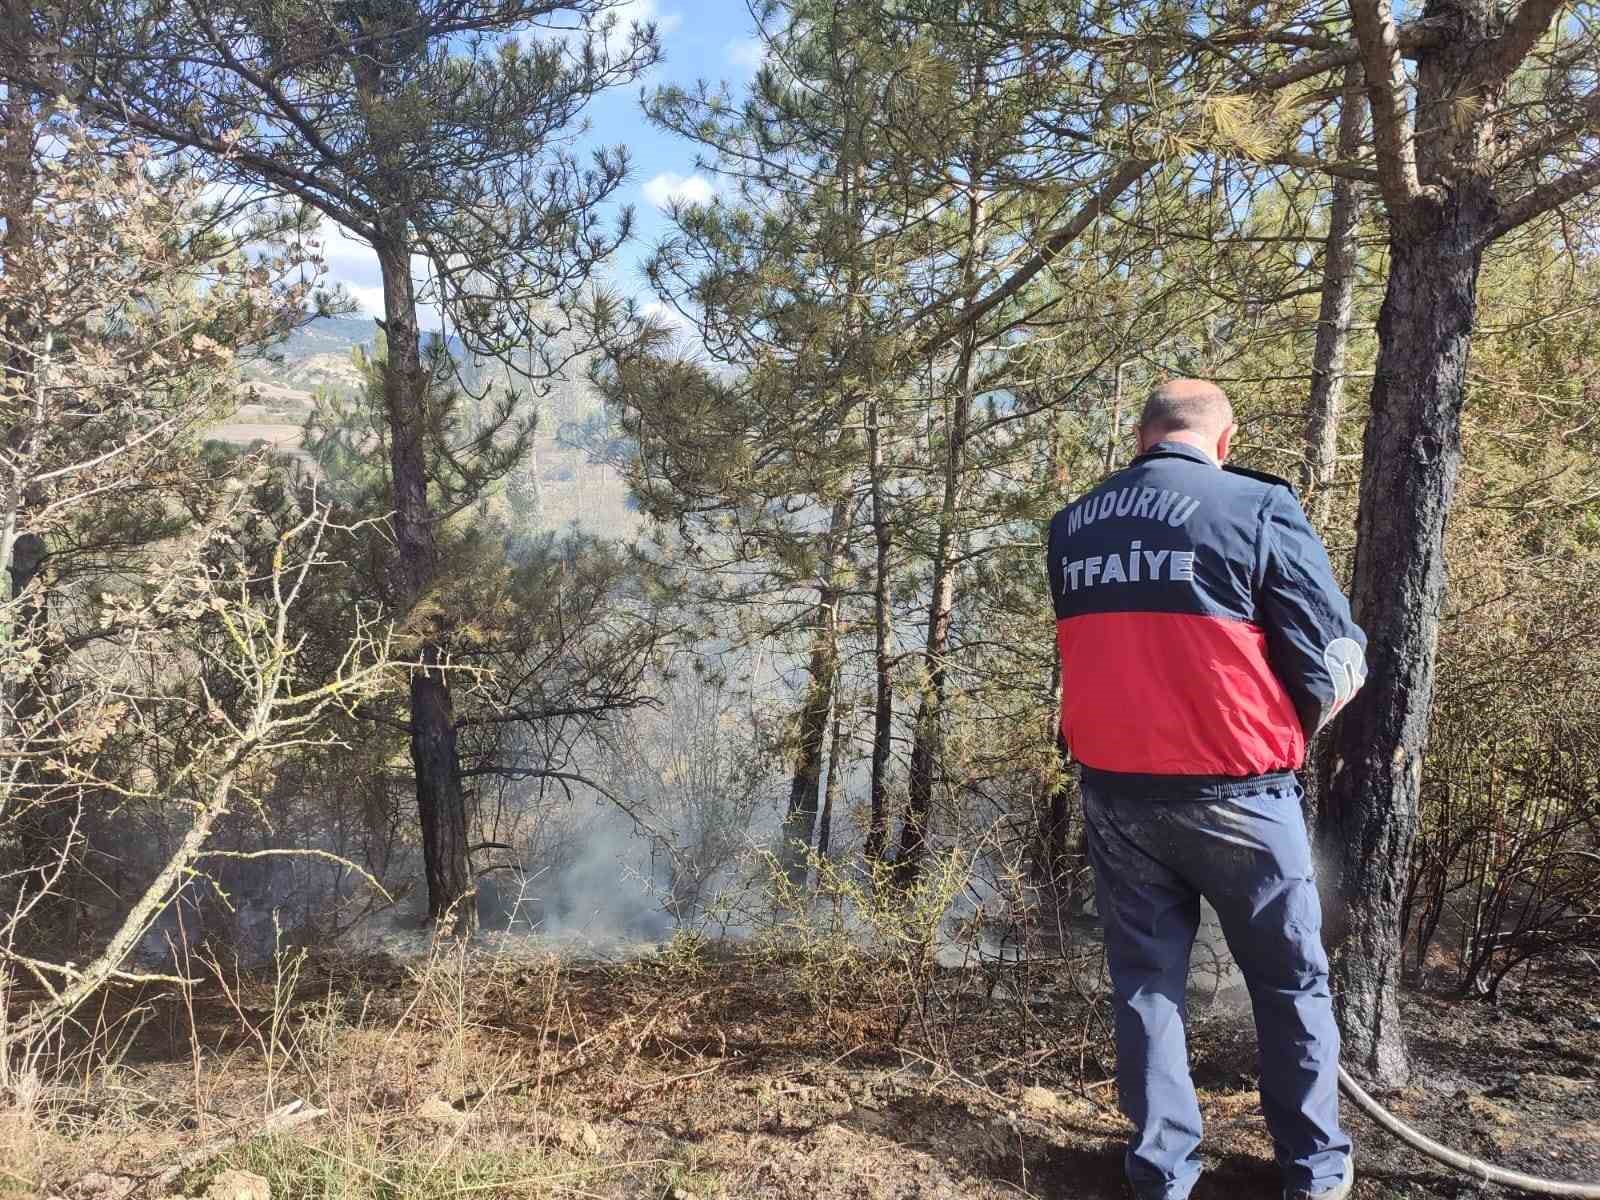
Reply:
x=437 y=760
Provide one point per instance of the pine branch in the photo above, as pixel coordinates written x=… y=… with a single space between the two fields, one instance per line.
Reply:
x=1546 y=197
x=1379 y=43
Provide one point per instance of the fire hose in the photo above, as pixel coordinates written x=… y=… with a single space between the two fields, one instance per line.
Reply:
x=1465 y=1163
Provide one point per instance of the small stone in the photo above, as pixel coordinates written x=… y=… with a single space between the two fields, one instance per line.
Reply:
x=238 y=1185
x=578 y=1135
x=1041 y=1099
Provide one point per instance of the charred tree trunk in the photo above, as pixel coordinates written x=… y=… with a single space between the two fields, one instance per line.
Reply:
x=1053 y=821
x=800 y=822
x=1053 y=825
x=1410 y=461
x=441 y=803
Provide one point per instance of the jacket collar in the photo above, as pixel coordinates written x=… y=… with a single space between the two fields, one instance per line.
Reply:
x=1177 y=450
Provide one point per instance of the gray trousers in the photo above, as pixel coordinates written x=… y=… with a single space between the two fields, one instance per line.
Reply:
x=1249 y=856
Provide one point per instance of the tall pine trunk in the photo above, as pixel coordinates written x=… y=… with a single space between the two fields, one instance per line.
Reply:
x=17 y=567
x=1410 y=460
x=441 y=803
x=882 y=629
x=46 y=827
x=1333 y=319
x=1329 y=358
x=928 y=741
x=800 y=822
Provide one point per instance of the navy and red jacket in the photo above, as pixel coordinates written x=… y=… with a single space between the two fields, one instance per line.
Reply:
x=1202 y=634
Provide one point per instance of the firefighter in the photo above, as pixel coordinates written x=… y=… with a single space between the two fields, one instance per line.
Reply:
x=1203 y=641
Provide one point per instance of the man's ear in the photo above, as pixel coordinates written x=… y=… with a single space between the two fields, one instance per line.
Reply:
x=1138 y=438
x=1225 y=442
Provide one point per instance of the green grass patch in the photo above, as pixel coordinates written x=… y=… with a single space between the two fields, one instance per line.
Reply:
x=361 y=1169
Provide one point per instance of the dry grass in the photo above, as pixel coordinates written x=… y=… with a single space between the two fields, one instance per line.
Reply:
x=417 y=1096
x=475 y=1073
x=467 y=1072
x=782 y=1066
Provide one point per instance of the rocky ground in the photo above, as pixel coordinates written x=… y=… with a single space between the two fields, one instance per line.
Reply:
x=697 y=1074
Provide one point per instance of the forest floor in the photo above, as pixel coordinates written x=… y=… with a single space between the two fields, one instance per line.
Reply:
x=694 y=1073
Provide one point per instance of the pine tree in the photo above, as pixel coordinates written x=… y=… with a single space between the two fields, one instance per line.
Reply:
x=430 y=128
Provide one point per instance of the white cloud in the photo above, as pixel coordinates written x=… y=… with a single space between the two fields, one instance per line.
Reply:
x=370 y=298
x=352 y=263
x=561 y=30
x=665 y=314
x=645 y=11
x=347 y=259
x=746 y=53
x=619 y=34
x=669 y=188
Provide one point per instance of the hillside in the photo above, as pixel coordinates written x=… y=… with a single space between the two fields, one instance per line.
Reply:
x=573 y=490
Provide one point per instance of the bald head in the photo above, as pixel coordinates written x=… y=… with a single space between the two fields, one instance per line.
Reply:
x=1193 y=411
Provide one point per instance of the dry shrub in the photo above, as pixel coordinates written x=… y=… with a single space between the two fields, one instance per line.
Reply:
x=853 y=945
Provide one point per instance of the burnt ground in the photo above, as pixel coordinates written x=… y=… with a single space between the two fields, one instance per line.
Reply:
x=697 y=1074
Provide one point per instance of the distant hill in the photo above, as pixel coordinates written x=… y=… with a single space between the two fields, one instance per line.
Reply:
x=571 y=490
x=317 y=354
x=330 y=335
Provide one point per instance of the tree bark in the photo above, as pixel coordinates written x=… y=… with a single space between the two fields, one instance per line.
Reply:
x=835 y=785
x=1053 y=822
x=441 y=802
x=45 y=826
x=21 y=551
x=1333 y=320
x=1410 y=460
x=800 y=823
x=882 y=621
x=1326 y=403
x=927 y=741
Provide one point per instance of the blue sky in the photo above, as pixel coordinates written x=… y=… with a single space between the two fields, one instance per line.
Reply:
x=700 y=39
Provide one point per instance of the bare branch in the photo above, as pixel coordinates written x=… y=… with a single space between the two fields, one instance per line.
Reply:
x=1116 y=183
x=1499 y=58
x=1339 y=170
x=1545 y=197
x=1412 y=37
x=1551 y=138
x=1386 y=91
